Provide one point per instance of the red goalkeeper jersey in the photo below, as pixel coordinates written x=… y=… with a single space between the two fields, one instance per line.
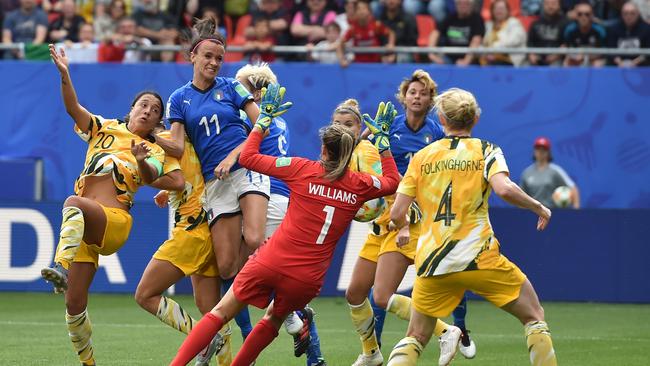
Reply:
x=319 y=210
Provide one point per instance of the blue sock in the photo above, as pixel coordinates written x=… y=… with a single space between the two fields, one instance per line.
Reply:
x=380 y=316
x=313 y=351
x=243 y=319
x=459 y=314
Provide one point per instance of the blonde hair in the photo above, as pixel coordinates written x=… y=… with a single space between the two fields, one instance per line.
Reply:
x=349 y=106
x=424 y=78
x=258 y=75
x=458 y=107
x=339 y=144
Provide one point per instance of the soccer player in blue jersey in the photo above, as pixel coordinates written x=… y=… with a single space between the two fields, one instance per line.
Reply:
x=207 y=110
x=386 y=255
x=276 y=143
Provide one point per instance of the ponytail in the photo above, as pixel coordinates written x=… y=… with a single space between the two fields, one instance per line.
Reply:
x=339 y=144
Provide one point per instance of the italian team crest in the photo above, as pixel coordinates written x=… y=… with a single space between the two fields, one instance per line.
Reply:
x=428 y=138
x=218 y=95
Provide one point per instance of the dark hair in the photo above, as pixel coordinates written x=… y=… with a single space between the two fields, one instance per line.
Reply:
x=205 y=29
x=142 y=94
x=339 y=143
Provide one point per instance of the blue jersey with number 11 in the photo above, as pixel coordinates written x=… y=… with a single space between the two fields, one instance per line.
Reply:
x=211 y=119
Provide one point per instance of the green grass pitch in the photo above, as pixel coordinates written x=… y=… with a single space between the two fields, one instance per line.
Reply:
x=32 y=332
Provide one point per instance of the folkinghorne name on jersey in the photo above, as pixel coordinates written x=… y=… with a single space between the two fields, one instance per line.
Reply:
x=332 y=193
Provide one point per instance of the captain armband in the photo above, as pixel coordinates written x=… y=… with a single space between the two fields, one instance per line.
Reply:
x=156 y=163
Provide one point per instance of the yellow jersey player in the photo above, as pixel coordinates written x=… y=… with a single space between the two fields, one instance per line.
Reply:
x=96 y=220
x=187 y=253
x=386 y=254
x=457 y=251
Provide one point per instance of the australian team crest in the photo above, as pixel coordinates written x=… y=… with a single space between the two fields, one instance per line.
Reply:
x=218 y=95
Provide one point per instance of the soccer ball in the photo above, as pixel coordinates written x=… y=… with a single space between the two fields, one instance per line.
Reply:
x=562 y=196
x=371 y=210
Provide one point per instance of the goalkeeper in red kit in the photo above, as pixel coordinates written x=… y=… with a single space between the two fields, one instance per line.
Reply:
x=290 y=268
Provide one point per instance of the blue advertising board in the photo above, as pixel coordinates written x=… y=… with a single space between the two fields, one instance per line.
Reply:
x=588 y=255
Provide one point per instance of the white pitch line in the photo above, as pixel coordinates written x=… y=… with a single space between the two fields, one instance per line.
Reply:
x=339 y=331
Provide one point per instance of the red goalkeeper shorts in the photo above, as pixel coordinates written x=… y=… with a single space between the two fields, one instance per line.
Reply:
x=257 y=284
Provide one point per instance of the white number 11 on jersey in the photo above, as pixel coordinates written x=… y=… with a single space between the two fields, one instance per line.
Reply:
x=214 y=119
x=329 y=214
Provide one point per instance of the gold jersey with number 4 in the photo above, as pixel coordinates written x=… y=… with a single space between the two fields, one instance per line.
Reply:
x=450 y=181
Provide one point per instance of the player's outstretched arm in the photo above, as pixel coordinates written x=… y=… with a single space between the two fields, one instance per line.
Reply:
x=511 y=193
x=172 y=181
x=78 y=113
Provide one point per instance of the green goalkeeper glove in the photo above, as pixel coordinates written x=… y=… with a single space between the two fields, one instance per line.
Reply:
x=270 y=106
x=380 y=126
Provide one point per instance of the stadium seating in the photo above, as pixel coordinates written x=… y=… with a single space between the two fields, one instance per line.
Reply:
x=426 y=25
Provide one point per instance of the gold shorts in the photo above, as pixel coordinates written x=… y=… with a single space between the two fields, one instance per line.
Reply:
x=118 y=227
x=190 y=251
x=381 y=241
x=438 y=296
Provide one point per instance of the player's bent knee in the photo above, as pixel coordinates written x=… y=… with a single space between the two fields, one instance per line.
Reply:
x=228 y=267
x=254 y=241
x=380 y=298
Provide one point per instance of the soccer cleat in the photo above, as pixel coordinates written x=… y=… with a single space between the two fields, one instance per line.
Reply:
x=467 y=347
x=293 y=324
x=320 y=362
x=376 y=359
x=449 y=345
x=57 y=276
x=203 y=358
x=302 y=339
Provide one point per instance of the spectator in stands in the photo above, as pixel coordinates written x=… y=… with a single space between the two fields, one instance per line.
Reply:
x=66 y=27
x=584 y=33
x=258 y=46
x=308 y=25
x=531 y=7
x=436 y=8
x=107 y=18
x=644 y=9
x=543 y=177
x=465 y=28
x=325 y=51
x=547 y=31
x=278 y=18
x=236 y=8
x=157 y=27
x=213 y=13
x=85 y=50
x=26 y=24
x=630 y=32
x=365 y=31
x=114 y=49
x=402 y=24
x=503 y=30
x=343 y=19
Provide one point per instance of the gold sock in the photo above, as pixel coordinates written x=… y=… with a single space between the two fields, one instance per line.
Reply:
x=172 y=314
x=400 y=305
x=540 y=345
x=364 y=323
x=405 y=353
x=80 y=330
x=70 y=236
x=224 y=357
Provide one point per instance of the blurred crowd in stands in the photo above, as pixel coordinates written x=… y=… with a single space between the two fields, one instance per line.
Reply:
x=104 y=30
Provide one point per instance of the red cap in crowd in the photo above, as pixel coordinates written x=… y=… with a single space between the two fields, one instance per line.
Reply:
x=543 y=142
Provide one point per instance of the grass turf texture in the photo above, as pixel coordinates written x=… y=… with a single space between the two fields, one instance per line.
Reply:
x=33 y=333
